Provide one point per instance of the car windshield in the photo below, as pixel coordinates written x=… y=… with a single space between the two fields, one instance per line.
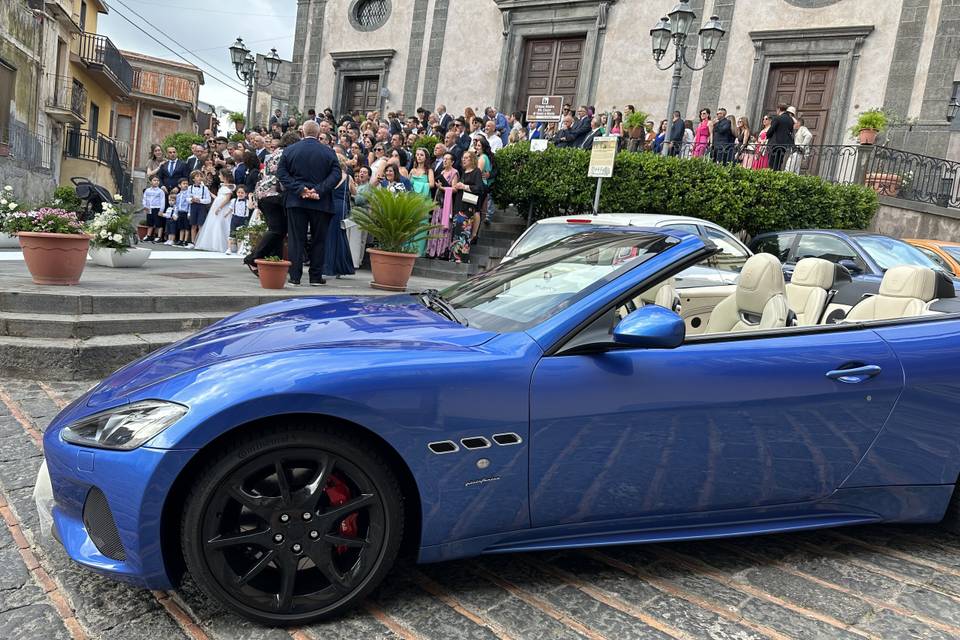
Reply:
x=890 y=252
x=541 y=235
x=953 y=251
x=520 y=293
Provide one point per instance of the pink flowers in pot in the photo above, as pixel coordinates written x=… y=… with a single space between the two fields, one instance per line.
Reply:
x=44 y=220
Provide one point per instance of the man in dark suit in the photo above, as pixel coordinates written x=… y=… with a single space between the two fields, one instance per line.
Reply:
x=308 y=171
x=724 y=138
x=581 y=128
x=565 y=137
x=452 y=142
x=444 y=120
x=780 y=138
x=172 y=170
x=675 y=135
x=597 y=130
x=276 y=118
x=463 y=134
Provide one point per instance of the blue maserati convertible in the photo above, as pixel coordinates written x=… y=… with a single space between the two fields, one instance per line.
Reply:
x=285 y=455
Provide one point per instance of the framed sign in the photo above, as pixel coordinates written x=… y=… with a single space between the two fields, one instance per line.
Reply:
x=544 y=108
x=538 y=145
x=602 y=157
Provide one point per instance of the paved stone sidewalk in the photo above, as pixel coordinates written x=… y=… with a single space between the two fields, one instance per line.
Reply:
x=879 y=582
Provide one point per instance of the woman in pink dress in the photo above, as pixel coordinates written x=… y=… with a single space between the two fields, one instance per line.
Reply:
x=438 y=243
x=702 y=135
x=761 y=157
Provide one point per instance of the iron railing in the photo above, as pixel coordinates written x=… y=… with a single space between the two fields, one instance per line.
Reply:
x=68 y=95
x=31 y=150
x=911 y=176
x=100 y=51
x=96 y=147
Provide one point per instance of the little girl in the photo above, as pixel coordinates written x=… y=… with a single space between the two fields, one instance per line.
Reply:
x=240 y=217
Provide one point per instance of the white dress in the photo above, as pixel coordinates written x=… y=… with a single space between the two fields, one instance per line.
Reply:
x=215 y=232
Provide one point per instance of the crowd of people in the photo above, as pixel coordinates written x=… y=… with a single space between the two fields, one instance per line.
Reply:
x=198 y=202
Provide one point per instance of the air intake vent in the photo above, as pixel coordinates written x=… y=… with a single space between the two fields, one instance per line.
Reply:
x=507 y=439
x=476 y=442
x=444 y=446
x=101 y=528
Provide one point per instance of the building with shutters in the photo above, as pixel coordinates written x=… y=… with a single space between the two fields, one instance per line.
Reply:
x=829 y=58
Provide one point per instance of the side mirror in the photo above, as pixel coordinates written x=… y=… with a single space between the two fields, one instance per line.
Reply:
x=651 y=327
x=850 y=266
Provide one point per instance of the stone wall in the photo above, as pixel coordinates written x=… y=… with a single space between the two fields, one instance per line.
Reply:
x=905 y=219
x=31 y=186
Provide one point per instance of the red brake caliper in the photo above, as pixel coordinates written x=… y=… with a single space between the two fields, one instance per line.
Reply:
x=338 y=493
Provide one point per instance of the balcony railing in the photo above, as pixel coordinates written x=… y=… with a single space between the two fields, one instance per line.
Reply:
x=99 y=52
x=32 y=151
x=68 y=95
x=911 y=176
x=96 y=147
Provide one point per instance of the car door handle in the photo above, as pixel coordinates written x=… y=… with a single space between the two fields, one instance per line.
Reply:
x=855 y=375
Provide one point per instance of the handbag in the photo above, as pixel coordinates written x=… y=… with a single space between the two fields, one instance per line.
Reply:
x=471 y=198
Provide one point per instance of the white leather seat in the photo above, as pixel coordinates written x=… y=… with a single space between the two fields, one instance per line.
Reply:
x=663 y=295
x=809 y=288
x=905 y=292
x=760 y=301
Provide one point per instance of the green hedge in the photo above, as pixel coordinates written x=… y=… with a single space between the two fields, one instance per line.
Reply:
x=182 y=142
x=555 y=182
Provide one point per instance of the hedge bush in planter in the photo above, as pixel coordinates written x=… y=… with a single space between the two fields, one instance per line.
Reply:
x=555 y=181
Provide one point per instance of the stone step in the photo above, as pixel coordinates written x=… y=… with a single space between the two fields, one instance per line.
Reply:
x=515 y=227
x=444 y=270
x=75 y=304
x=33 y=325
x=72 y=359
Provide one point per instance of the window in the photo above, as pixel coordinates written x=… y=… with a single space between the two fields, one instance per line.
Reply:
x=890 y=252
x=937 y=260
x=94 y=122
x=776 y=245
x=732 y=256
x=367 y=15
x=8 y=77
x=827 y=247
x=83 y=16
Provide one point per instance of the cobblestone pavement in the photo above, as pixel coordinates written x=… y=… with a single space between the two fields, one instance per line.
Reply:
x=868 y=582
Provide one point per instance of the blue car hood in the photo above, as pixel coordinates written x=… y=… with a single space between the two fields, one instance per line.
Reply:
x=397 y=322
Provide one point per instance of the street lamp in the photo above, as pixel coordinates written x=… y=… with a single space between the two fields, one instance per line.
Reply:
x=675 y=26
x=245 y=64
x=953 y=109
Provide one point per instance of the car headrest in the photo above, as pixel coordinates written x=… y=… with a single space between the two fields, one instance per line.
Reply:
x=814 y=272
x=909 y=281
x=945 y=287
x=650 y=295
x=760 y=280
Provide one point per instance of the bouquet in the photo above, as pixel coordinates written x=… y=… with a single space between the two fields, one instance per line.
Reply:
x=113 y=228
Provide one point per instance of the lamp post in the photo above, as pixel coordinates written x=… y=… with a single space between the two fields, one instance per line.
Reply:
x=245 y=64
x=953 y=109
x=675 y=26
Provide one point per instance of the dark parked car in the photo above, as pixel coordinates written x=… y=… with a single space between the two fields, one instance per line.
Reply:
x=865 y=254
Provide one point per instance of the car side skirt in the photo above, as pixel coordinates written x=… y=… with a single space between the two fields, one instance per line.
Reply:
x=866 y=505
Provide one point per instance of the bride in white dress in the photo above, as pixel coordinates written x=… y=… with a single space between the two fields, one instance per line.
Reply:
x=215 y=232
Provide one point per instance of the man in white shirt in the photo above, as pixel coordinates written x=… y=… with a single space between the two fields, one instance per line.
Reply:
x=490 y=132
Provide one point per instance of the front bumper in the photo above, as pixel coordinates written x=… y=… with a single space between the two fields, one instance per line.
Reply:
x=135 y=484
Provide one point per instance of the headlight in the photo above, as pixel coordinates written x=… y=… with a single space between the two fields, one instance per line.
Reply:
x=126 y=427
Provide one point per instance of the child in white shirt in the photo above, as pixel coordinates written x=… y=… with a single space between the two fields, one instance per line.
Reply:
x=153 y=204
x=240 y=216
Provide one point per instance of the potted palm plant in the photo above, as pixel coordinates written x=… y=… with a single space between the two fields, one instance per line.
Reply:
x=397 y=221
x=869 y=125
x=53 y=242
x=111 y=238
x=238 y=120
x=635 y=125
x=272 y=272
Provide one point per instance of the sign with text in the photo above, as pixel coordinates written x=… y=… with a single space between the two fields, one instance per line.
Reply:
x=537 y=145
x=544 y=108
x=602 y=157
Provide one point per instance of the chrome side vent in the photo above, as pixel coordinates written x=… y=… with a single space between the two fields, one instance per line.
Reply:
x=443 y=446
x=507 y=439
x=475 y=442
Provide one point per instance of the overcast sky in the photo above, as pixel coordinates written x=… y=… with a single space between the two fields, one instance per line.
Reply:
x=207 y=31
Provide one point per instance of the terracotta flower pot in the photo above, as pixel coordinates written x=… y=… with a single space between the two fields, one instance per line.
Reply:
x=885 y=184
x=54 y=258
x=391 y=271
x=273 y=275
x=142 y=230
x=868 y=136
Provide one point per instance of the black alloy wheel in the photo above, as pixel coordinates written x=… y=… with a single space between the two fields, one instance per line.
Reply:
x=293 y=526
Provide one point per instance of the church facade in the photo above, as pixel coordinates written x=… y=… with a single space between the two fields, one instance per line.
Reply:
x=830 y=58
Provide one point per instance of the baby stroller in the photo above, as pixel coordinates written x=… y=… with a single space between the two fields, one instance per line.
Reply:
x=93 y=197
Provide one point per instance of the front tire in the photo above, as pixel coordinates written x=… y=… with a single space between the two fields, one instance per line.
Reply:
x=292 y=525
